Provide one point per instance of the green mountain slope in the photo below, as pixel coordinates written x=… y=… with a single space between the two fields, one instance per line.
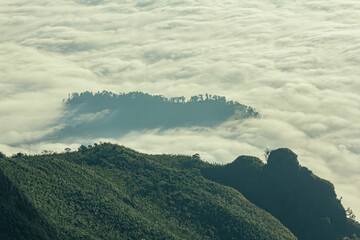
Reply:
x=18 y=218
x=303 y=202
x=111 y=192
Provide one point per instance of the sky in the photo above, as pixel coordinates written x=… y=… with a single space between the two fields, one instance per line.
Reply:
x=295 y=62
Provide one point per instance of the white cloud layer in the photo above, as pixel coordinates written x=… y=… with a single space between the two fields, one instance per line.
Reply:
x=297 y=62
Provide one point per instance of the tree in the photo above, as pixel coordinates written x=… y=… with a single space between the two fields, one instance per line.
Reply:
x=18 y=155
x=196 y=156
x=67 y=150
x=82 y=148
x=267 y=153
x=350 y=214
x=2 y=155
x=45 y=152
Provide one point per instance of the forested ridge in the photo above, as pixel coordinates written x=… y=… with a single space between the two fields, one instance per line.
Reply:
x=107 y=191
x=111 y=192
x=106 y=114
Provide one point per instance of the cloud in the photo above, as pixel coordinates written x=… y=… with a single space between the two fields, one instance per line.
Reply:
x=296 y=62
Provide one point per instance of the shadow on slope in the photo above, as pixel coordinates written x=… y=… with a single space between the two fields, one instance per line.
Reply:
x=303 y=202
x=18 y=218
x=111 y=115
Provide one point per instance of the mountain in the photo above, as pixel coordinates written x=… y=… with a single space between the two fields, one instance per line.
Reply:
x=105 y=114
x=108 y=191
x=303 y=202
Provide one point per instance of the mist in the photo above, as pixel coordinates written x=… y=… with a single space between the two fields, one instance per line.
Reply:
x=296 y=63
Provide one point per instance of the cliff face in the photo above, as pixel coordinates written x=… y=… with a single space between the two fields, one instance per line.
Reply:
x=303 y=202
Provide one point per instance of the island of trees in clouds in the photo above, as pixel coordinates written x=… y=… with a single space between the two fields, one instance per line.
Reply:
x=106 y=114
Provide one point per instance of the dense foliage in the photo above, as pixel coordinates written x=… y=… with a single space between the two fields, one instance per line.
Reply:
x=303 y=202
x=110 y=192
x=18 y=218
x=107 y=114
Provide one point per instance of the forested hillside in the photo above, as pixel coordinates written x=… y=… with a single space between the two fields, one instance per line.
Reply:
x=110 y=192
x=18 y=217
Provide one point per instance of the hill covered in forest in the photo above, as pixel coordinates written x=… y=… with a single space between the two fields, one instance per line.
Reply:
x=107 y=191
x=111 y=192
x=106 y=114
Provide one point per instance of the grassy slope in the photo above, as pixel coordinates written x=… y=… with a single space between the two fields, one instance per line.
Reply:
x=111 y=192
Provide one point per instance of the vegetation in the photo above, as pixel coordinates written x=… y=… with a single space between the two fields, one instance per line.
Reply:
x=303 y=202
x=107 y=114
x=107 y=191
x=18 y=218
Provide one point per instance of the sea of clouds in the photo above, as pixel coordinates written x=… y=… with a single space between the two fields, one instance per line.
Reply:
x=296 y=62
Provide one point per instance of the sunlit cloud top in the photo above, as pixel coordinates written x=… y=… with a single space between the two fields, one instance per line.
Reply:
x=296 y=62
